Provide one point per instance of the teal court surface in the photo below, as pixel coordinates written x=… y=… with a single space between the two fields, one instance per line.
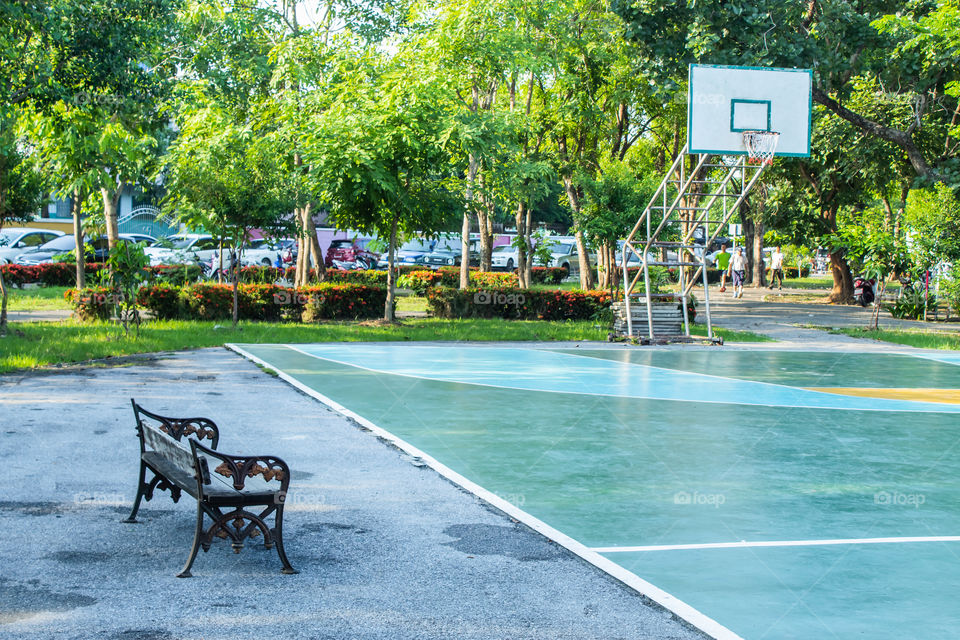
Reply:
x=758 y=494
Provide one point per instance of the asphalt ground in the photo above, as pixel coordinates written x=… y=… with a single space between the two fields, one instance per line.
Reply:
x=385 y=546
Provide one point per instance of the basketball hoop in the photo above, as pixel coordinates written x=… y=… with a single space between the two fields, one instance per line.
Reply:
x=761 y=145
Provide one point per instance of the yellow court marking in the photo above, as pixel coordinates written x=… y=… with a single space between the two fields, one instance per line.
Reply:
x=944 y=396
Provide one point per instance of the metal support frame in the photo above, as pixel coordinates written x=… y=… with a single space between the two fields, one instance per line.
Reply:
x=685 y=203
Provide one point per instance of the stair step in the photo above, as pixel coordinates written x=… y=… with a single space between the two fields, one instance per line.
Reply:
x=661 y=208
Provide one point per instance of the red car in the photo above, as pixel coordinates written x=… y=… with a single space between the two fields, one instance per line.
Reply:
x=350 y=251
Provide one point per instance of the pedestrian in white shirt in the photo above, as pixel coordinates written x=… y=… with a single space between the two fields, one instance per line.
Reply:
x=776 y=268
x=738 y=271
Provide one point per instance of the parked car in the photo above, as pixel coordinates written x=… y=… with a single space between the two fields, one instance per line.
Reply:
x=351 y=250
x=266 y=252
x=15 y=241
x=449 y=251
x=564 y=254
x=505 y=257
x=97 y=249
x=183 y=248
x=410 y=252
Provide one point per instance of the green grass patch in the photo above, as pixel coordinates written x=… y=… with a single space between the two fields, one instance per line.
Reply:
x=37 y=299
x=810 y=282
x=47 y=343
x=921 y=339
x=730 y=335
x=408 y=304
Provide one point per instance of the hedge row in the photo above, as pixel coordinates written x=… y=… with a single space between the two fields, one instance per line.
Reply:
x=517 y=304
x=64 y=274
x=326 y=301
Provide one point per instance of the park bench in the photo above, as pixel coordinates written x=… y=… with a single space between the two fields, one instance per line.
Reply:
x=235 y=484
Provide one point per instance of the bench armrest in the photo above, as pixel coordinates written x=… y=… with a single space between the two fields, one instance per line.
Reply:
x=239 y=468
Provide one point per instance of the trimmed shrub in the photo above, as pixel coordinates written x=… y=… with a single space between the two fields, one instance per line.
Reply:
x=207 y=301
x=548 y=275
x=334 y=301
x=17 y=275
x=369 y=277
x=92 y=303
x=260 y=274
x=163 y=300
x=496 y=280
x=259 y=301
x=420 y=281
x=516 y=304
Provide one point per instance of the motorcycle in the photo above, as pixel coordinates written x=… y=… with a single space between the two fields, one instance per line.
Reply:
x=358 y=265
x=864 y=291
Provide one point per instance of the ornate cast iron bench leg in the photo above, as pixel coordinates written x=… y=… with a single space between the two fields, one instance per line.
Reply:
x=141 y=490
x=185 y=573
x=278 y=539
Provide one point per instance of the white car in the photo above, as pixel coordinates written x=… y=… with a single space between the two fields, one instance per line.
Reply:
x=263 y=252
x=183 y=248
x=505 y=257
x=14 y=241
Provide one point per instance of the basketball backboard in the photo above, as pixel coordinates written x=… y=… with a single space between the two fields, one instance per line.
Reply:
x=723 y=102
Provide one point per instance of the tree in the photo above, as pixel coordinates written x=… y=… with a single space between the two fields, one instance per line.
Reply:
x=77 y=64
x=228 y=177
x=381 y=155
x=20 y=192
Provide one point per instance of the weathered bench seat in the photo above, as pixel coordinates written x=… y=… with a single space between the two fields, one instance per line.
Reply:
x=235 y=482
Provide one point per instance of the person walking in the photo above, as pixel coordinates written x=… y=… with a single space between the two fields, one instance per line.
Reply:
x=738 y=271
x=776 y=268
x=723 y=263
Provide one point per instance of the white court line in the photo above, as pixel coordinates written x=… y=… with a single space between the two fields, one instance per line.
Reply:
x=743 y=544
x=669 y=602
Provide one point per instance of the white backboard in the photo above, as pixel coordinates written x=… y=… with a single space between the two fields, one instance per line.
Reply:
x=723 y=102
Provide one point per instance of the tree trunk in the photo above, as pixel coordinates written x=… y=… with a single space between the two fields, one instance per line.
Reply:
x=76 y=207
x=586 y=273
x=313 y=244
x=528 y=243
x=111 y=202
x=522 y=275
x=389 y=309
x=842 y=280
x=748 y=233
x=583 y=258
x=759 y=267
x=472 y=168
x=235 y=279
x=3 y=306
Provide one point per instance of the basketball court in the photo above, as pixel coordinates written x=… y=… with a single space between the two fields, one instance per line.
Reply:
x=757 y=494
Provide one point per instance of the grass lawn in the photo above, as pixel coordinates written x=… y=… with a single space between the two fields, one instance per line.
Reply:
x=37 y=299
x=730 y=335
x=921 y=339
x=810 y=282
x=46 y=343
x=40 y=344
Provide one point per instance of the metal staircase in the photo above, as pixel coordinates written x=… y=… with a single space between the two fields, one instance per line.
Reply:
x=687 y=212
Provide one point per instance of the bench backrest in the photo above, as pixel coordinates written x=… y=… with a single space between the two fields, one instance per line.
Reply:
x=163 y=435
x=177 y=428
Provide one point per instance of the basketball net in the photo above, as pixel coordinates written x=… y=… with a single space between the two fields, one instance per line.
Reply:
x=761 y=145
